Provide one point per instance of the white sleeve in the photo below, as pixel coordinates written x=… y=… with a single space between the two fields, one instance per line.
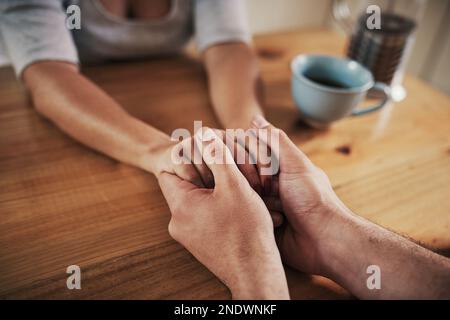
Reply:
x=218 y=21
x=34 y=30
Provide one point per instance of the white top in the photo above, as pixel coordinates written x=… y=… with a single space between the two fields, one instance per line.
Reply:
x=33 y=30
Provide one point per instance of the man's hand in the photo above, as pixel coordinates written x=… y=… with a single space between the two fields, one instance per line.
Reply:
x=304 y=194
x=322 y=236
x=227 y=228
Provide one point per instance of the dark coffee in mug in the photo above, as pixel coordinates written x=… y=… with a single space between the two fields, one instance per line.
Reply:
x=328 y=82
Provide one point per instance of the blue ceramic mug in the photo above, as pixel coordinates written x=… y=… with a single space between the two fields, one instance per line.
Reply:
x=327 y=88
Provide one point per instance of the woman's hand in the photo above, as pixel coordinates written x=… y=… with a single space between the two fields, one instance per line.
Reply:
x=182 y=159
x=166 y=158
x=227 y=228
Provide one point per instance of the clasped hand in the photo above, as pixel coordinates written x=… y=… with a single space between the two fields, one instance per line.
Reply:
x=229 y=228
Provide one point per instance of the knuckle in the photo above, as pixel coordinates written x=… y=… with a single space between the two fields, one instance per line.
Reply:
x=186 y=147
x=177 y=212
x=173 y=232
x=219 y=133
x=238 y=187
x=232 y=183
x=189 y=173
x=192 y=176
x=282 y=133
x=320 y=172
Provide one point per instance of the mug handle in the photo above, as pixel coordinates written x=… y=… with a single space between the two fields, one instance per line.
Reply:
x=385 y=90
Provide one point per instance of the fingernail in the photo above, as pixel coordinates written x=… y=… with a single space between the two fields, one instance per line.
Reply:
x=259 y=121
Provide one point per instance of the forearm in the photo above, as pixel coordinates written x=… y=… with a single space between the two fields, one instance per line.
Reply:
x=85 y=112
x=234 y=83
x=407 y=270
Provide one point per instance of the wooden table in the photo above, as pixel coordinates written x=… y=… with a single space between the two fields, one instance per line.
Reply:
x=63 y=204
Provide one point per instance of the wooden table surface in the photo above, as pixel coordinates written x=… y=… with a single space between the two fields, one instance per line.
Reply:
x=63 y=204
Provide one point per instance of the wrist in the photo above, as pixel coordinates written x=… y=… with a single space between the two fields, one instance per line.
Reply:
x=244 y=118
x=339 y=244
x=152 y=157
x=261 y=276
x=271 y=285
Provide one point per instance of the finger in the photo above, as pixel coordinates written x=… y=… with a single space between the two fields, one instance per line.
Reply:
x=277 y=218
x=273 y=203
x=266 y=181
x=275 y=192
x=174 y=188
x=277 y=139
x=242 y=158
x=218 y=157
x=257 y=160
x=266 y=163
x=205 y=175
x=184 y=166
x=188 y=172
x=250 y=171
x=203 y=170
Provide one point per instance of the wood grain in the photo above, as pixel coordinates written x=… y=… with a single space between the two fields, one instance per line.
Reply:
x=63 y=204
